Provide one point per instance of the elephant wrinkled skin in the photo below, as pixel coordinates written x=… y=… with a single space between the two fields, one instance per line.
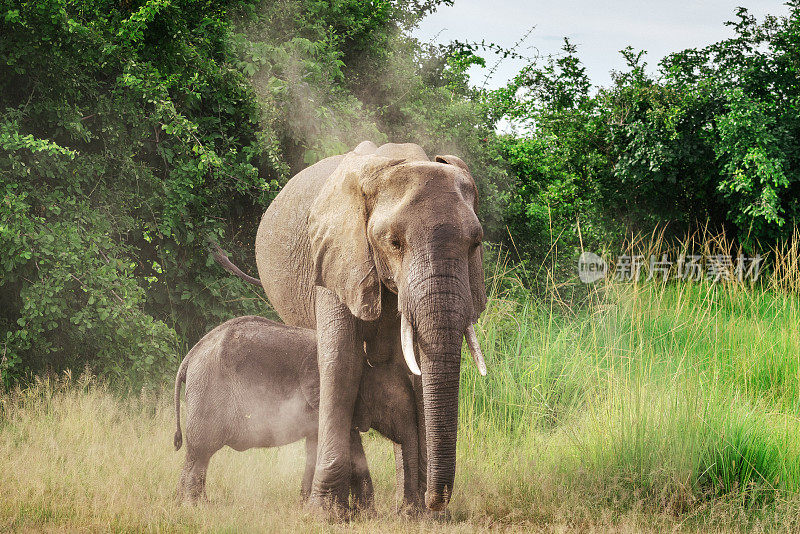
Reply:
x=252 y=382
x=358 y=246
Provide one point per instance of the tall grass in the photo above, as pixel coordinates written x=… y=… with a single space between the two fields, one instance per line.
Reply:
x=645 y=406
x=667 y=396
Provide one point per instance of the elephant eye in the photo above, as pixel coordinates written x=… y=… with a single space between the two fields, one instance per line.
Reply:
x=396 y=244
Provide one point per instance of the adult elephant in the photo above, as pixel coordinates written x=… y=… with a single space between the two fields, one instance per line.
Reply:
x=380 y=251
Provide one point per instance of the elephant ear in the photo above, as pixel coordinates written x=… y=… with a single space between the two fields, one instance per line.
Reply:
x=476 y=277
x=337 y=226
x=453 y=160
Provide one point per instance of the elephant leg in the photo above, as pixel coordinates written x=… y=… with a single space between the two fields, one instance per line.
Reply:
x=361 y=487
x=341 y=360
x=192 y=485
x=181 y=493
x=399 y=477
x=311 y=462
x=407 y=475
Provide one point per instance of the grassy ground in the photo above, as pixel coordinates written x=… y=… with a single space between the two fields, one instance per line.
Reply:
x=652 y=408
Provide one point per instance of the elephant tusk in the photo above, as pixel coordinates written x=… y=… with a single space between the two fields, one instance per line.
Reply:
x=407 y=343
x=475 y=350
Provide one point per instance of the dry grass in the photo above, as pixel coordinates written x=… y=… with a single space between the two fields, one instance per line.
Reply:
x=76 y=457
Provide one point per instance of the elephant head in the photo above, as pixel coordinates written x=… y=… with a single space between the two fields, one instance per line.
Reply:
x=409 y=226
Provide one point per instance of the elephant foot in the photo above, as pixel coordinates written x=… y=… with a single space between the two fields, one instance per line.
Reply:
x=362 y=501
x=363 y=512
x=362 y=505
x=416 y=511
x=191 y=496
x=327 y=508
x=411 y=511
x=443 y=516
x=193 y=501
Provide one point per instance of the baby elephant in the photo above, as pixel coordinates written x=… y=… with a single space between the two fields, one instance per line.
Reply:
x=252 y=382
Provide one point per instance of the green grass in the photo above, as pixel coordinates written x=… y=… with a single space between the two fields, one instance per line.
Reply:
x=653 y=407
x=670 y=399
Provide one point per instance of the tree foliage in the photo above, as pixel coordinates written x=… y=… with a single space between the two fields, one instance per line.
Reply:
x=122 y=131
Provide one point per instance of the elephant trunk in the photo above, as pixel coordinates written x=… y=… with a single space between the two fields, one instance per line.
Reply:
x=440 y=316
x=440 y=395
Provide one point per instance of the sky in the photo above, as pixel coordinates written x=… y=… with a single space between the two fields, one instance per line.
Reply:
x=599 y=29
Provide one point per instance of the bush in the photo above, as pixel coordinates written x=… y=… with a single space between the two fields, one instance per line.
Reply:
x=125 y=133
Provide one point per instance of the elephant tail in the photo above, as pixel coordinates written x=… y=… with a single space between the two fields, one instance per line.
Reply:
x=227 y=264
x=180 y=378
